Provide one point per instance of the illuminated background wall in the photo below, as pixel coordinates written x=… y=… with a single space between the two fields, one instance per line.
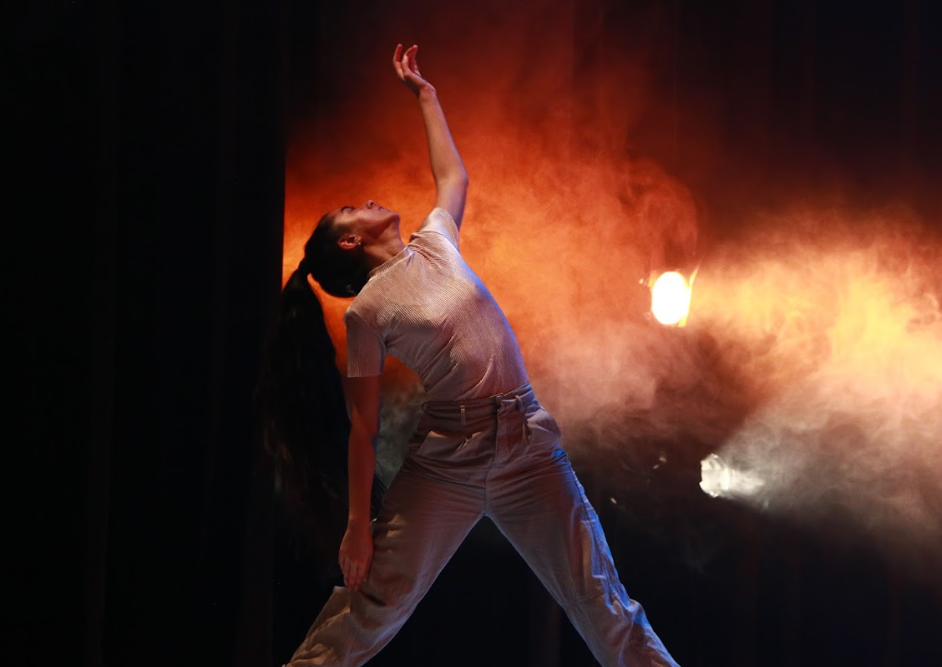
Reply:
x=779 y=148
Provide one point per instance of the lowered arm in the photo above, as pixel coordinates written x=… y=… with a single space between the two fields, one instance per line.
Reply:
x=356 y=550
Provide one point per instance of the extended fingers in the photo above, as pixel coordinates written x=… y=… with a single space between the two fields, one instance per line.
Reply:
x=406 y=67
x=355 y=578
x=349 y=569
x=345 y=568
x=354 y=572
x=397 y=60
x=409 y=63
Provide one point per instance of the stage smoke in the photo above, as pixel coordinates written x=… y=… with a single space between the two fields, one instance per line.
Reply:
x=836 y=316
x=561 y=224
x=812 y=357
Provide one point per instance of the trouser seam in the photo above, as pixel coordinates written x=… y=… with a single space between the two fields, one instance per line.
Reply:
x=595 y=538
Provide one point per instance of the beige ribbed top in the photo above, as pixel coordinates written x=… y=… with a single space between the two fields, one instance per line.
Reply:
x=426 y=307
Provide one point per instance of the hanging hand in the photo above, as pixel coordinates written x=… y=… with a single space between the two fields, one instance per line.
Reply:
x=356 y=554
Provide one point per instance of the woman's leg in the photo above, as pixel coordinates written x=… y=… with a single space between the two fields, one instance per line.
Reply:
x=423 y=521
x=540 y=506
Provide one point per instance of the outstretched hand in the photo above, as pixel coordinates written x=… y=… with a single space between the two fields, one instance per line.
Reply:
x=407 y=68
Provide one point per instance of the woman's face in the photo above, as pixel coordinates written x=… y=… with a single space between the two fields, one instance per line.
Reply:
x=366 y=222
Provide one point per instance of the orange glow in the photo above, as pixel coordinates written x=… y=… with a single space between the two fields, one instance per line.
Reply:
x=824 y=323
x=836 y=318
x=670 y=299
x=560 y=224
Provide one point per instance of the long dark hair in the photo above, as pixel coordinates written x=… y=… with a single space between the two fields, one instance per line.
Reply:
x=340 y=272
x=303 y=415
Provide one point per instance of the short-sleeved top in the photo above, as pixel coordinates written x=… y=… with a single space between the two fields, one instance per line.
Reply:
x=426 y=307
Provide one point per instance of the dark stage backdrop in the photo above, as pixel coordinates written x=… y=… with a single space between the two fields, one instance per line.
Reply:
x=150 y=144
x=150 y=182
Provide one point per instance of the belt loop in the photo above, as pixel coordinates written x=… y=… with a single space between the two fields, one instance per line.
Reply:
x=523 y=425
x=464 y=421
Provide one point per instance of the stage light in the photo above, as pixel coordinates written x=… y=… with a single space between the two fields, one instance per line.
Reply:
x=670 y=298
x=719 y=479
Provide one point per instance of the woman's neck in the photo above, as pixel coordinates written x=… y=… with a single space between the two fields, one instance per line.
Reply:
x=383 y=250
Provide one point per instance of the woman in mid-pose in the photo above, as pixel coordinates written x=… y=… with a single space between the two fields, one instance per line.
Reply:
x=483 y=445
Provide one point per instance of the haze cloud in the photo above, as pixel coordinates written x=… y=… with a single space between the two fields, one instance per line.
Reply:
x=839 y=313
x=813 y=356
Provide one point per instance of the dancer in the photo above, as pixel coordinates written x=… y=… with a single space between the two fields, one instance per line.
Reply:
x=483 y=446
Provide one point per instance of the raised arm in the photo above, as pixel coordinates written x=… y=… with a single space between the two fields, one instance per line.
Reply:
x=451 y=179
x=356 y=550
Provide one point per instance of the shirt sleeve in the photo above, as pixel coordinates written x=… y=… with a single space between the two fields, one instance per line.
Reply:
x=440 y=221
x=366 y=351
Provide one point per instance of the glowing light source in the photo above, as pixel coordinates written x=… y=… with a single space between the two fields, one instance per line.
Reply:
x=719 y=479
x=670 y=298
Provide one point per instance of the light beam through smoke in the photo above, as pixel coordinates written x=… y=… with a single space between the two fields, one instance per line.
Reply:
x=812 y=356
x=839 y=316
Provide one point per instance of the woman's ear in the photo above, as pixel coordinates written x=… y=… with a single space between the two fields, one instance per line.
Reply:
x=349 y=241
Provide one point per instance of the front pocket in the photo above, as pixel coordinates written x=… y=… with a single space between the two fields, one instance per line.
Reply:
x=439 y=444
x=542 y=429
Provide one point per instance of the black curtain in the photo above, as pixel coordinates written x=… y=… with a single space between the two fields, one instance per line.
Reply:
x=194 y=233
x=150 y=190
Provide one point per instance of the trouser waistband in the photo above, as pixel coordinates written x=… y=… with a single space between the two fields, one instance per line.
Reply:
x=470 y=411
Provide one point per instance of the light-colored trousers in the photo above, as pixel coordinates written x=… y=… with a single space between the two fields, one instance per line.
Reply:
x=497 y=457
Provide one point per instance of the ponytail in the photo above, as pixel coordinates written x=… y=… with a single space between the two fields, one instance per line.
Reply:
x=304 y=420
x=303 y=415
